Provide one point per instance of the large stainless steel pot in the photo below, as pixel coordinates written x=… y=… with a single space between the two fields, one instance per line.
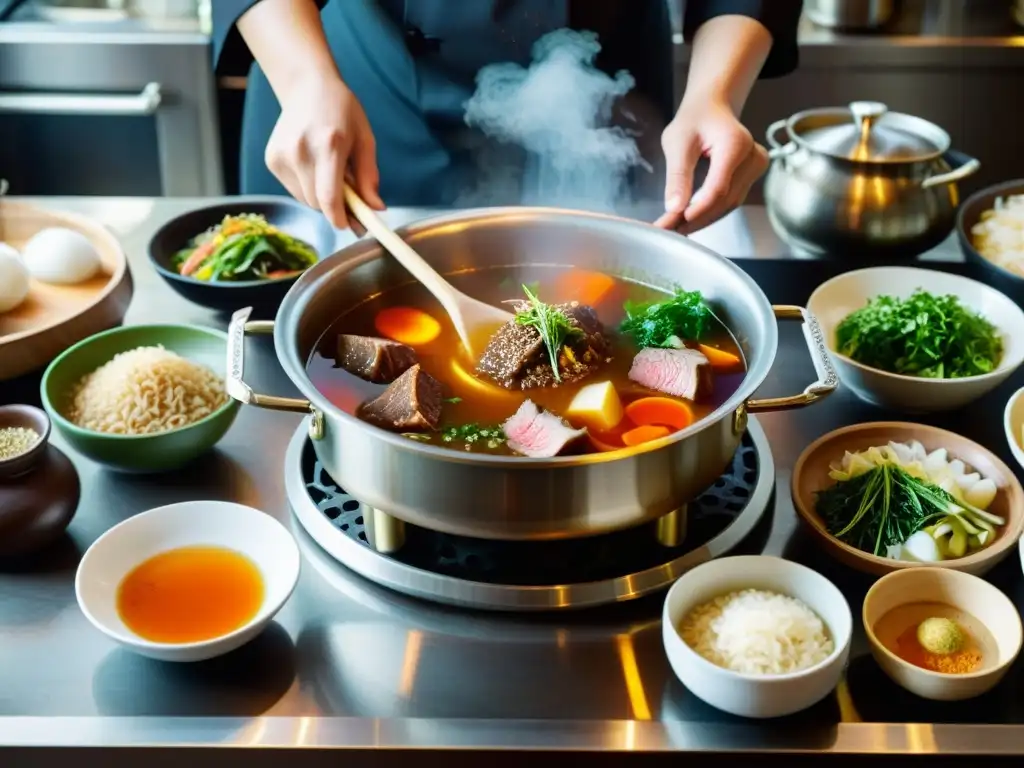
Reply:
x=863 y=183
x=501 y=497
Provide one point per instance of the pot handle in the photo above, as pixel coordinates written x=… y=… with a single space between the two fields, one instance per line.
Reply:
x=827 y=378
x=241 y=325
x=964 y=164
x=778 y=149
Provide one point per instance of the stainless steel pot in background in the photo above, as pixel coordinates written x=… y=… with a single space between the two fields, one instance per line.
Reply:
x=863 y=183
x=502 y=497
x=849 y=15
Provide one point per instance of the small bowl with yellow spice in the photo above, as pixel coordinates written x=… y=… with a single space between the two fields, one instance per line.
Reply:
x=941 y=634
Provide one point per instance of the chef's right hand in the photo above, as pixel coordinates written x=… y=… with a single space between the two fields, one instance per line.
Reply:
x=321 y=136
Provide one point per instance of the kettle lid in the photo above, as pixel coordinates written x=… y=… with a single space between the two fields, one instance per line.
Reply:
x=867 y=131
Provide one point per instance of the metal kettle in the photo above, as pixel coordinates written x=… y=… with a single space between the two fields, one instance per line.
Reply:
x=862 y=183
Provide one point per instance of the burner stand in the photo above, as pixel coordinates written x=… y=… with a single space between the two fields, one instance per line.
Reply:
x=529 y=575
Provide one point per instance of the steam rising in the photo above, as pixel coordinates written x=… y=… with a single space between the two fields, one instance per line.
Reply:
x=559 y=110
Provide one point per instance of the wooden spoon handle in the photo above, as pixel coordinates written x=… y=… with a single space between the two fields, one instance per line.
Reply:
x=398 y=248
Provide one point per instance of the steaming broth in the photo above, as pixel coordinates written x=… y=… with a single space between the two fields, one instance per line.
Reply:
x=472 y=399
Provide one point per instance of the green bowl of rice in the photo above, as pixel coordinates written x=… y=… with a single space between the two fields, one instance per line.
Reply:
x=142 y=398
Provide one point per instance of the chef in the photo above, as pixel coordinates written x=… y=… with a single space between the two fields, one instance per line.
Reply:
x=376 y=89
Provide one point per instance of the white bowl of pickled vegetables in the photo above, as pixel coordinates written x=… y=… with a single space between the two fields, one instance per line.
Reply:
x=918 y=340
x=890 y=495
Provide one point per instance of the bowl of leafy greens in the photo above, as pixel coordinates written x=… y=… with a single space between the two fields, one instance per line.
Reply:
x=918 y=340
x=889 y=495
x=247 y=252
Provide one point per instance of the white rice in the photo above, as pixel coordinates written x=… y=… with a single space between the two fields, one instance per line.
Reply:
x=756 y=632
x=143 y=391
x=999 y=236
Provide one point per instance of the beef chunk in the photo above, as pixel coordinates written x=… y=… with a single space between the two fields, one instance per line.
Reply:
x=673 y=371
x=516 y=358
x=538 y=434
x=411 y=403
x=378 y=360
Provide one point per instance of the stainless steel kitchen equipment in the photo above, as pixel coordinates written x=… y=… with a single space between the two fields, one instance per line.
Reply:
x=531 y=576
x=863 y=183
x=503 y=497
x=849 y=15
x=116 y=107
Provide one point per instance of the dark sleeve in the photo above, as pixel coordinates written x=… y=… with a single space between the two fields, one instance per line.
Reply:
x=230 y=55
x=780 y=17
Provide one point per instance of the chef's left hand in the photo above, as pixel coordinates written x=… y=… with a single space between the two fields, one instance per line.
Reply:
x=707 y=126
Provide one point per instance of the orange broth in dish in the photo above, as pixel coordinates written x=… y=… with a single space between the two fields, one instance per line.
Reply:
x=190 y=594
x=613 y=383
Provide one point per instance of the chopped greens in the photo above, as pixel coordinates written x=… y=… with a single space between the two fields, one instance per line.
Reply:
x=663 y=323
x=925 y=335
x=453 y=400
x=881 y=508
x=553 y=325
x=468 y=434
x=245 y=247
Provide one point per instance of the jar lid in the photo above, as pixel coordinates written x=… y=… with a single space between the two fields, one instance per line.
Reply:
x=867 y=132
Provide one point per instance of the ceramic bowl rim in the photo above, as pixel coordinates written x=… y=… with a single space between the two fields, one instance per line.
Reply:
x=1012 y=186
x=869 y=629
x=265 y=613
x=838 y=648
x=1006 y=365
x=807 y=517
x=237 y=203
x=66 y=424
x=1016 y=449
x=39 y=445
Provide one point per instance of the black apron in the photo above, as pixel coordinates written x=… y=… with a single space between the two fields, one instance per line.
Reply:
x=412 y=64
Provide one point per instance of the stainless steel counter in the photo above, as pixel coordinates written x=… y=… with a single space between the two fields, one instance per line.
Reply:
x=352 y=666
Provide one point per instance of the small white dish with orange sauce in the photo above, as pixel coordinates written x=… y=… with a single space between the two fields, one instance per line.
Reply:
x=188 y=581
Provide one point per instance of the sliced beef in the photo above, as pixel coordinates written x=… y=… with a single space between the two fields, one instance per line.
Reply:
x=538 y=434
x=516 y=358
x=411 y=403
x=378 y=360
x=673 y=371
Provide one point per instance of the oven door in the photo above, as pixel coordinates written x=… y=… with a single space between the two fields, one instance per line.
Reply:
x=94 y=112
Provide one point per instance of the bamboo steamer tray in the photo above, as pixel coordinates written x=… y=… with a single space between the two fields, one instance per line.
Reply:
x=54 y=317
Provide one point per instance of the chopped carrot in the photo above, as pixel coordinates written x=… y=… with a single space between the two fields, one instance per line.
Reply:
x=660 y=412
x=584 y=286
x=197 y=257
x=719 y=358
x=279 y=273
x=407 y=325
x=644 y=434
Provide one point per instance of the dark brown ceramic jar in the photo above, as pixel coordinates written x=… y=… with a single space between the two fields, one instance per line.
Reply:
x=39 y=488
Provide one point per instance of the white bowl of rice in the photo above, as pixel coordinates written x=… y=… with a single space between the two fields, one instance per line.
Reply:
x=757 y=636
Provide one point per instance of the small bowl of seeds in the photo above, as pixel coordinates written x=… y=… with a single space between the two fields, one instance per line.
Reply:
x=24 y=434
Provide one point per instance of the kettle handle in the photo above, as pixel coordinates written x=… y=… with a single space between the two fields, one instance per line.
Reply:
x=778 y=149
x=964 y=164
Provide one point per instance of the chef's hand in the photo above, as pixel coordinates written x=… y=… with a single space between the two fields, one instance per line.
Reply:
x=321 y=136
x=707 y=127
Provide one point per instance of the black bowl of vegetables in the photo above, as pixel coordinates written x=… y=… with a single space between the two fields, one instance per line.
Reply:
x=247 y=252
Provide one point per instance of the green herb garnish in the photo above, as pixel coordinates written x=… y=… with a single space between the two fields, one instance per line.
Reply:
x=929 y=336
x=553 y=325
x=453 y=400
x=881 y=508
x=663 y=323
x=470 y=434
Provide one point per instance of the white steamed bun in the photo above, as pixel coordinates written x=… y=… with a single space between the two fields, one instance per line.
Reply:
x=14 y=284
x=60 y=256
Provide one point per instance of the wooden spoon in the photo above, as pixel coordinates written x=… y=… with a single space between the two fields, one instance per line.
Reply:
x=466 y=313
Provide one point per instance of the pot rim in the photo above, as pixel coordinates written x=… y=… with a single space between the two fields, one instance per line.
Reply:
x=943 y=141
x=365 y=250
